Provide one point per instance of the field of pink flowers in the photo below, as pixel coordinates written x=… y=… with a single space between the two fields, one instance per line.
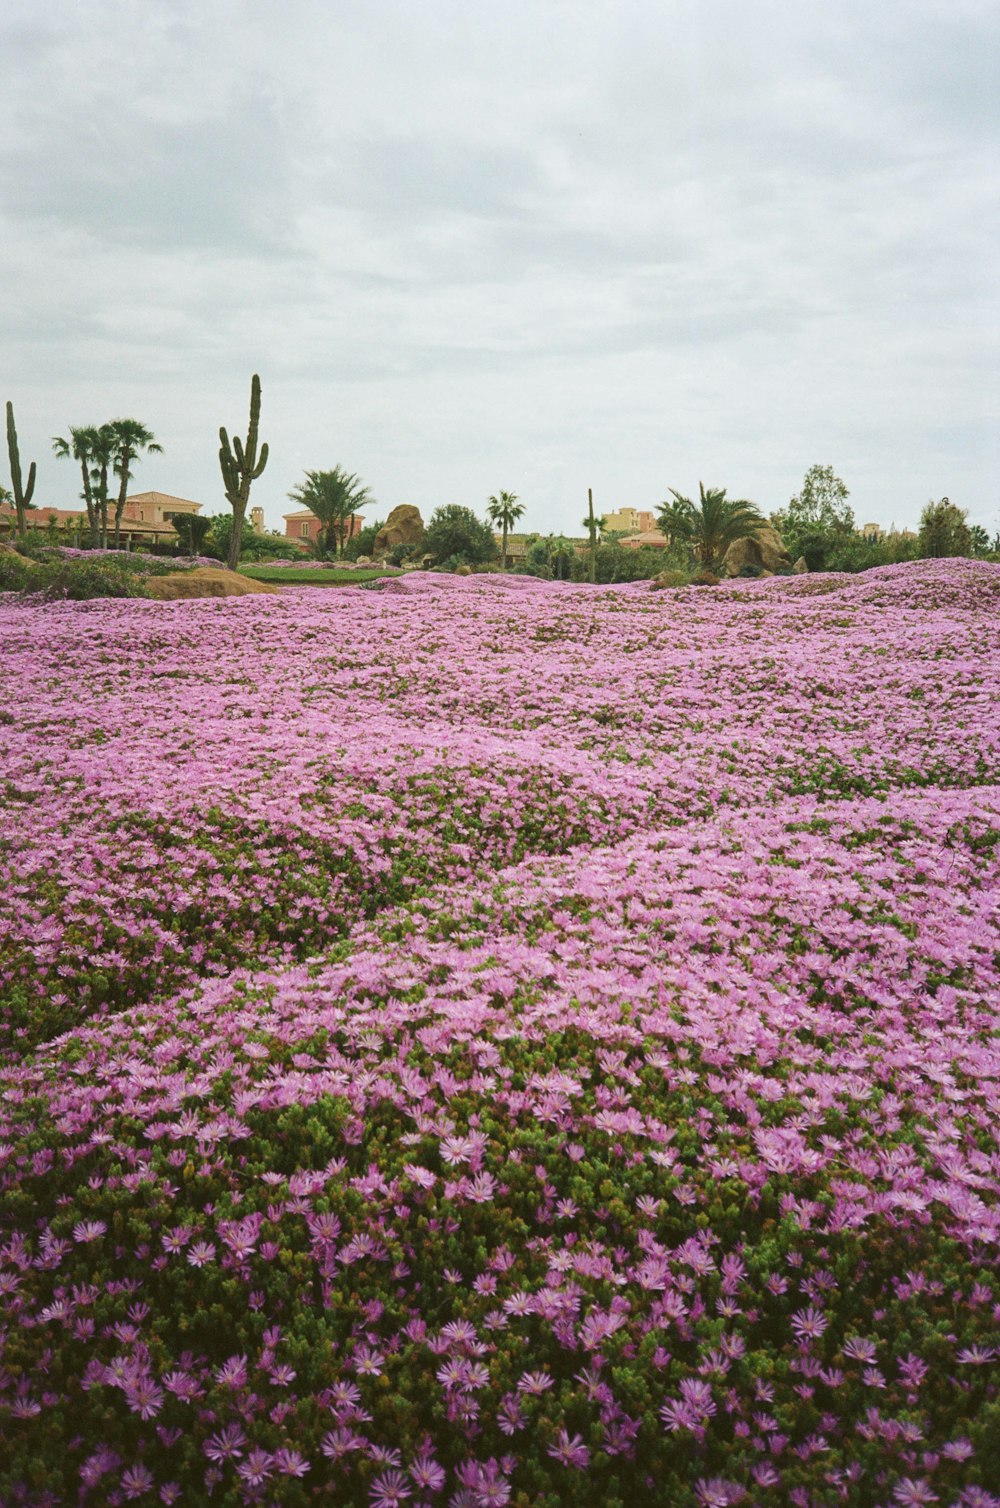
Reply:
x=477 y=1042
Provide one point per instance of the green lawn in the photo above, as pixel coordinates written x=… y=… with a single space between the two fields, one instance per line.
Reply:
x=332 y=576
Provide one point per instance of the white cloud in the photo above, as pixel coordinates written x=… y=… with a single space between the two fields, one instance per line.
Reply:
x=535 y=246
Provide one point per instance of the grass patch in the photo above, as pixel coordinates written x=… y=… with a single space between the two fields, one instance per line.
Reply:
x=297 y=576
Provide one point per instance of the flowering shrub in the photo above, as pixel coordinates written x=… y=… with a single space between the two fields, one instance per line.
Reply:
x=520 y=1044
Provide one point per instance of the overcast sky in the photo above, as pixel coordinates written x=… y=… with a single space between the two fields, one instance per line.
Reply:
x=539 y=245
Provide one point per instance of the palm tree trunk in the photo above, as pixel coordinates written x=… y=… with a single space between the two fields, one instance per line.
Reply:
x=88 y=499
x=503 y=549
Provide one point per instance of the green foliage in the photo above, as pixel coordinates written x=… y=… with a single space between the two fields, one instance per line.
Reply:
x=818 y=520
x=192 y=530
x=253 y=546
x=503 y=511
x=362 y=543
x=944 y=531
x=334 y=497
x=79 y=448
x=456 y=534
x=240 y=467
x=612 y=562
x=22 y=494
x=709 y=526
x=74 y=580
x=551 y=558
x=129 y=438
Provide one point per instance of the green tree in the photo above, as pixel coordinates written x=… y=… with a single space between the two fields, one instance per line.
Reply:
x=102 y=455
x=79 y=447
x=363 y=542
x=504 y=510
x=709 y=526
x=130 y=439
x=979 y=541
x=943 y=531
x=334 y=497
x=818 y=521
x=252 y=546
x=191 y=529
x=456 y=535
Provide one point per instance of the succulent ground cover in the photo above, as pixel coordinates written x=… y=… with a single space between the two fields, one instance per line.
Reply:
x=474 y=1041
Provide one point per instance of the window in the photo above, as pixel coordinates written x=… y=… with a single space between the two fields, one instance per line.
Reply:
x=304 y=530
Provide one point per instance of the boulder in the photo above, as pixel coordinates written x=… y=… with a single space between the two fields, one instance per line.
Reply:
x=764 y=548
x=800 y=568
x=204 y=582
x=404 y=526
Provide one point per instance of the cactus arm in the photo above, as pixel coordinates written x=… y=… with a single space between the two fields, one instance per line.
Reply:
x=263 y=459
x=29 y=491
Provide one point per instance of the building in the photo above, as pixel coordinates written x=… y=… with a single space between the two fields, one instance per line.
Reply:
x=628 y=521
x=145 y=519
x=517 y=547
x=305 y=528
x=645 y=539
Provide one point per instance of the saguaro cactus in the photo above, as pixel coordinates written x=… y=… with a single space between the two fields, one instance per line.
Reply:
x=240 y=466
x=22 y=495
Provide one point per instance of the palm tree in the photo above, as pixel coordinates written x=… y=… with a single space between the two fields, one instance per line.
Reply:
x=334 y=496
x=101 y=443
x=504 y=510
x=131 y=438
x=711 y=525
x=79 y=447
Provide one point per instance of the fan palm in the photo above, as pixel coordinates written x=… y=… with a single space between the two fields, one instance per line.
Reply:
x=711 y=525
x=101 y=444
x=503 y=511
x=79 y=447
x=334 y=496
x=131 y=438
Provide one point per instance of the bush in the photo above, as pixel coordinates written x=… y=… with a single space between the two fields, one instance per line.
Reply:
x=455 y=533
x=363 y=542
x=75 y=580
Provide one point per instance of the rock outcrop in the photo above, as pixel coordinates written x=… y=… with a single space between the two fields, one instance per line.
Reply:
x=404 y=526
x=761 y=551
x=800 y=568
x=205 y=583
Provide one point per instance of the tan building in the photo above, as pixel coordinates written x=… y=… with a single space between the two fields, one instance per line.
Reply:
x=144 y=520
x=628 y=521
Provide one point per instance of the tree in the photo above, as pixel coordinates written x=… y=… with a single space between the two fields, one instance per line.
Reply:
x=102 y=453
x=818 y=521
x=240 y=466
x=191 y=529
x=943 y=531
x=79 y=447
x=504 y=510
x=129 y=438
x=363 y=542
x=456 y=534
x=709 y=526
x=334 y=497
x=979 y=541
x=252 y=546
